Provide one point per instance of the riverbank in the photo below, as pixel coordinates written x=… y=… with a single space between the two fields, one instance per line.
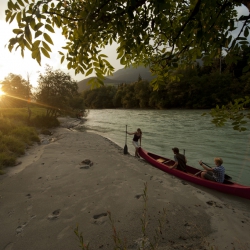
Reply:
x=55 y=188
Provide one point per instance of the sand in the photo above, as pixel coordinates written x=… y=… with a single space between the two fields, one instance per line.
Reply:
x=54 y=189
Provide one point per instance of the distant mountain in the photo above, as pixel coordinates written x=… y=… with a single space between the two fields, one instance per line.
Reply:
x=83 y=84
x=125 y=75
x=131 y=74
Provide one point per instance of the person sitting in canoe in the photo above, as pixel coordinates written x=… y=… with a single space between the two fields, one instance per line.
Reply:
x=214 y=174
x=137 y=137
x=180 y=160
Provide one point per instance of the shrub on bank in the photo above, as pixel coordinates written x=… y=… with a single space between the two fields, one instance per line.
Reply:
x=6 y=125
x=13 y=145
x=6 y=160
x=26 y=134
x=19 y=128
x=42 y=121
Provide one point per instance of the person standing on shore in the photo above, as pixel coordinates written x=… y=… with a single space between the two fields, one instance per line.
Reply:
x=180 y=160
x=137 y=137
x=214 y=174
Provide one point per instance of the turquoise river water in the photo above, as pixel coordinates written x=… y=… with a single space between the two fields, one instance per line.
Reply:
x=185 y=129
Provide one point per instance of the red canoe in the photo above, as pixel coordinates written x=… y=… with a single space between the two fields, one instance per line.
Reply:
x=193 y=175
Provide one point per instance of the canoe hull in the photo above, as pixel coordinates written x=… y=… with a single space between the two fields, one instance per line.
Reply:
x=163 y=163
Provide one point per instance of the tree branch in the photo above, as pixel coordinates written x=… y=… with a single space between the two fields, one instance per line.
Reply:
x=221 y=9
x=246 y=21
x=194 y=12
x=66 y=17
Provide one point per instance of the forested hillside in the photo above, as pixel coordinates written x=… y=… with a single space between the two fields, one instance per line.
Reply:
x=195 y=87
x=126 y=75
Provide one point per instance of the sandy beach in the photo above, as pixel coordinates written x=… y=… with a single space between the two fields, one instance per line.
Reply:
x=76 y=178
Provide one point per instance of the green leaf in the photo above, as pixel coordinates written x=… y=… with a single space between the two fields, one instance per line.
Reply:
x=20 y=2
x=38 y=57
x=240 y=38
x=245 y=69
x=69 y=65
x=7 y=15
x=243 y=18
x=35 y=53
x=17 y=31
x=28 y=35
x=45 y=52
x=16 y=6
x=33 y=24
x=35 y=45
x=49 y=28
x=46 y=46
x=12 y=17
x=19 y=17
x=38 y=26
x=62 y=59
x=103 y=55
x=246 y=32
x=38 y=33
x=10 y=47
x=10 y=5
x=27 y=44
x=47 y=38
x=89 y=72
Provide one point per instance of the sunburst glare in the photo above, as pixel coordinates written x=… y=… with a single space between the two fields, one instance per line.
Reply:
x=1 y=93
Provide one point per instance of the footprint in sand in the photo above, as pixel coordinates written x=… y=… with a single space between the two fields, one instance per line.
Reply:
x=97 y=216
x=9 y=246
x=99 y=219
x=214 y=204
x=19 y=229
x=138 y=196
x=54 y=214
x=85 y=167
x=88 y=163
x=29 y=196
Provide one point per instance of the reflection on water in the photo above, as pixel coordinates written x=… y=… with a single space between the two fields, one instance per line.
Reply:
x=186 y=129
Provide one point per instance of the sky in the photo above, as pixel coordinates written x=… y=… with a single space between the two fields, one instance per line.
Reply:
x=13 y=62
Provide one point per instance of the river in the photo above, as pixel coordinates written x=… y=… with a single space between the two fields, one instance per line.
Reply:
x=186 y=129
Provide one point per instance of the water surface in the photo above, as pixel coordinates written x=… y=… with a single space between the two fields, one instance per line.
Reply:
x=185 y=129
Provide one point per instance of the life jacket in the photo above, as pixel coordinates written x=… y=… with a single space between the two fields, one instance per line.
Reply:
x=181 y=162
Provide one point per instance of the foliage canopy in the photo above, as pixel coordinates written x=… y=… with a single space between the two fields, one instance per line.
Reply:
x=57 y=92
x=17 y=91
x=162 y=34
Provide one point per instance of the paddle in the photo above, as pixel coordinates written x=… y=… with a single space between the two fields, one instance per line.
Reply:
x=125 y=151
x=227 y=177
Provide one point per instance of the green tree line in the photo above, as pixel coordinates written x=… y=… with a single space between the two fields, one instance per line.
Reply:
x=57 y=92
x=197 y=88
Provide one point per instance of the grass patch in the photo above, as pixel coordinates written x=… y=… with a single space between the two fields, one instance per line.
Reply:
x=42 y=121
x=19 y=128
x=26 y=134
x=7 y=160
x=13 y=145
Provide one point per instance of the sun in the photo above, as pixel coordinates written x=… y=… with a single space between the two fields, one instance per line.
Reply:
x=1 y=93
